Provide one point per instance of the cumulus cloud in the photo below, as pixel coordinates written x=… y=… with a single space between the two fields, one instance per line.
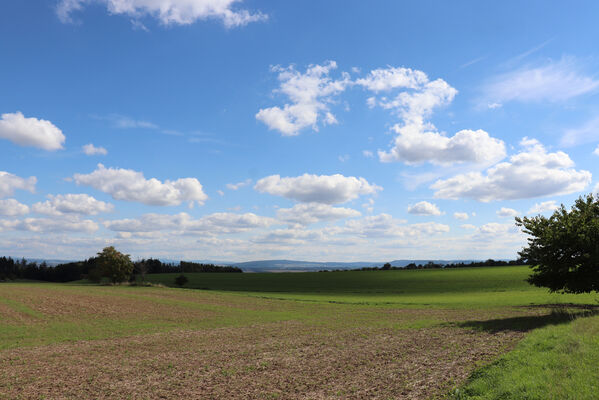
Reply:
x=384 y=225
x=238 y=185
x=30 y=131
x=72 y=204
x=326 y=189
x=12 y=208
x=545 y=206
x=554 y=81
x=91 y=150
x=9 y=183
x=168 y=12
x=41 y=225
x=310 y=213
x=130 y=185
x=310 y=94
x=460 y=215
x=424 y=208
x=417 y=139
x=531 y=173
x=218 y=223
x=505 y=212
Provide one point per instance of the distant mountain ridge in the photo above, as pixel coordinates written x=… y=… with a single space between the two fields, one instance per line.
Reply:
x=300 y=266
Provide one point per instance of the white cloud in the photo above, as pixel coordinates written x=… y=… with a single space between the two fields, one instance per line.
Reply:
x=589 y=132
x=168 y=12
x=424 y=208
x=91 y=150
x=50 y=225
x=460 y=215
x=218 y=223
x=367 y=153
x=467 y=226
x=310 y=94
x=596 y=152
x=238 y=185
x=505 y=212
x=385 y=79
x=494 y=228
x=30 y=132
x=555 y=81
x=130 y=185
x=9 y=183
x=415 y=145
x=12 y=208
x=540 y=208
x=72 y=204
x=343 y=158
x=310 y=213
x=530 y=173
x=417 y=139
x=384 y=225
x=326 y=189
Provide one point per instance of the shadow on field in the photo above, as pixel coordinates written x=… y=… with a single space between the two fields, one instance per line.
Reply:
x=559 y=314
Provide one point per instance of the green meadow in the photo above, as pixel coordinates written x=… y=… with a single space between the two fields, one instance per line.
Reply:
x=463 y=287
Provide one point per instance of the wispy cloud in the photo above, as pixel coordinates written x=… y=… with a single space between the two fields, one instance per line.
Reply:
x=472 y=62
x=554 y=81
x=586 y=133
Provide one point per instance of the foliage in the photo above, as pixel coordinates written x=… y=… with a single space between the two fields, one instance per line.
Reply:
x=181 y=280
x=564 y=248
x=114 y=264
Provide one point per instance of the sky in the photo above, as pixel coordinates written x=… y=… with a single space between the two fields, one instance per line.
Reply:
x=311 y=130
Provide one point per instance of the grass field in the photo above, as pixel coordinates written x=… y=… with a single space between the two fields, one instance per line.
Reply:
x=381 y=334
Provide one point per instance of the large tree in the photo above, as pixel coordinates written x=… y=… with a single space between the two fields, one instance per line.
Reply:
x=114 y=264
x=563 y=250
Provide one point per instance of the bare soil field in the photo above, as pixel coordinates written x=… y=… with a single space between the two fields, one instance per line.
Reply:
x=75 y=342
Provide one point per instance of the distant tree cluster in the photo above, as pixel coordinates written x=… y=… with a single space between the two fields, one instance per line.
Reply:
x=432 y=265
x=109 y=263
x=11 y=269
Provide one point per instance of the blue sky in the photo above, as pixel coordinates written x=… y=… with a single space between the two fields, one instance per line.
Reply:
x=338 y=130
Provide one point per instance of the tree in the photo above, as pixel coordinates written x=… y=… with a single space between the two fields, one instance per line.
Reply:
x=114 y=264
x=563 y=250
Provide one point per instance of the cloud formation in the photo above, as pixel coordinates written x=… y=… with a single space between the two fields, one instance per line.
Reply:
x=91 y=150
x=217 y=223
x=71 y=204
x=424 y=208
x=167 y=12
x=505 y=212
x=130 y=185
x=554 y=81
x=31 y=132
x=326 y=189
x=531 y=173
x=10 y=182
x=310 y=213
x=12 y=208
x=417 y=139
x=309 y=93
x=41 y=225
x=545 y=206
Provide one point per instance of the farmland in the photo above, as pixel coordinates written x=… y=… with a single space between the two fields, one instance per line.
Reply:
x=374 y=334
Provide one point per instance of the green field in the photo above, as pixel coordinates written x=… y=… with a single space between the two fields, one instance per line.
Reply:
x=464 y=287
x=425 y=334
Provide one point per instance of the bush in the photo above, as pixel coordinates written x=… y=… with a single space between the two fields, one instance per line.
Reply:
x=181 y=280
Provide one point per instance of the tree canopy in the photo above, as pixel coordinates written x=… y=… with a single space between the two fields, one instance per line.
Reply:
x=563 y=250
x=114 y=264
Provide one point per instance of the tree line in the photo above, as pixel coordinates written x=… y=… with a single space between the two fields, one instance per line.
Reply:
x=91 y=268
x=432 y=265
